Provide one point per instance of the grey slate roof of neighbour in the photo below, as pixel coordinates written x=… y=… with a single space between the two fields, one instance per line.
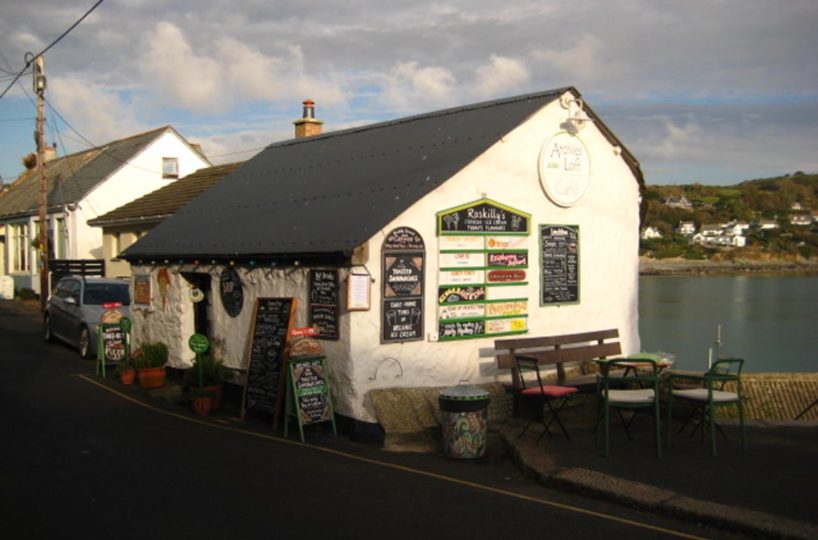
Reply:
x=72 y=177
x=158 y=205
x=327 y=194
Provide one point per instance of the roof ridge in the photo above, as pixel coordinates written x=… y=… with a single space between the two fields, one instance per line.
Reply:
x=424 y=116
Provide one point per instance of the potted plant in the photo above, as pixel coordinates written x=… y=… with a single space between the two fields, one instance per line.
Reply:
x=202 y=401
x=126 y=372
x=150 y=361
x=213 y=375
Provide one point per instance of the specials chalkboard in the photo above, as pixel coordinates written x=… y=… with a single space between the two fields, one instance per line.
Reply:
x=272 y=323
x=308 y=393
x=559 y=247
x=113 y=342
x=402 y=313
x=323 y=307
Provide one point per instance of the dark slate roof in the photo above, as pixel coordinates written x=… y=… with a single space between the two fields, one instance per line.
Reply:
x=158 y=205
x=327 y=194
x=71 y=177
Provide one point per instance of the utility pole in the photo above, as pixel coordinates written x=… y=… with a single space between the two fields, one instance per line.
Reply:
x=39 y=89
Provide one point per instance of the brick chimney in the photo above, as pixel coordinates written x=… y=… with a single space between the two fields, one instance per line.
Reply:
x=307 y=126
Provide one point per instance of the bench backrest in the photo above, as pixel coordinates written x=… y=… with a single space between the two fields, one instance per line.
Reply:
x=559 y=349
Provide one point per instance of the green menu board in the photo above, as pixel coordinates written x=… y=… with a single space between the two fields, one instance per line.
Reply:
x=308 y=393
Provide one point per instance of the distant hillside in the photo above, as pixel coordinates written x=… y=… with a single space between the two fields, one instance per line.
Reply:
x=750 y=201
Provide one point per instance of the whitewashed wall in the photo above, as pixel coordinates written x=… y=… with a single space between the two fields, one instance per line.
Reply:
x=608 y=218
x=173 y=322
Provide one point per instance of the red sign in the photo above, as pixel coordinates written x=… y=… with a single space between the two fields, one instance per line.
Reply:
x=306 y=331
x=504 y=276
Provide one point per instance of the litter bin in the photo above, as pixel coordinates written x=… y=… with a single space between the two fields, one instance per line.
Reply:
x=465 y=421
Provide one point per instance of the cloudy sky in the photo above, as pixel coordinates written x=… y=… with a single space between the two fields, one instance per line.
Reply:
x=714 y=92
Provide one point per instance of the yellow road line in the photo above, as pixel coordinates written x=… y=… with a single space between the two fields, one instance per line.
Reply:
x=403 y=468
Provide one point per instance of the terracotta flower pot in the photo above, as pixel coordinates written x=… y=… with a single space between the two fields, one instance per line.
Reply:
x=202 y=405
x=151 y=377
x=128 y=376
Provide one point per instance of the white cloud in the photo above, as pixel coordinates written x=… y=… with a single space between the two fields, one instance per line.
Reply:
x=409 y=86
x=501 y=75
x=97 y=113
x=584 y=62
x=230 y=72
x=181 y=76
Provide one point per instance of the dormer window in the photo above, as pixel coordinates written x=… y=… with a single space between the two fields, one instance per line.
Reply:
x=170 y=167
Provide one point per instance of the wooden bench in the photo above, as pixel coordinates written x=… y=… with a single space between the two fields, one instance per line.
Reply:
x=558 y=351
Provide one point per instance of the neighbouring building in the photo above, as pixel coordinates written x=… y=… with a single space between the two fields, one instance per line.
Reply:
x=83 y=186
x=410 y=244
x=125 y=225
x=801 y=220
x=686 y=228
x=678 y=201
x=651 y=233
x=767 y=224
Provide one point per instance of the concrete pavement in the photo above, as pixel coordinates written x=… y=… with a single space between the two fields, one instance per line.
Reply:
x=767 y=491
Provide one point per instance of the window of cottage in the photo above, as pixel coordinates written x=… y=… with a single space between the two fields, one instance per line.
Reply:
x=170 y=167
x=20 y=245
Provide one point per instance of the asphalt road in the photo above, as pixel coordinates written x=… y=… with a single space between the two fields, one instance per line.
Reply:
x=79 y=460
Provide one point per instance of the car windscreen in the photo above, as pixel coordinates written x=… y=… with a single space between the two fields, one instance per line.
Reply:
x=97 y=294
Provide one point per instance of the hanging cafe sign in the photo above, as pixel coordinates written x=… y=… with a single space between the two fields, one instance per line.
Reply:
x=565 y=169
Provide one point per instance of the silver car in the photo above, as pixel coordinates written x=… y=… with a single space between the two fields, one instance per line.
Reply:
x=76 y=305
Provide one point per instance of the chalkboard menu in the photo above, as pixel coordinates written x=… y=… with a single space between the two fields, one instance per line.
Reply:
x=308 y=393
x=113 y=344
x=272 y=323
x=559 y=247
x=323 y=307
x=402 y=306
x=231 y=291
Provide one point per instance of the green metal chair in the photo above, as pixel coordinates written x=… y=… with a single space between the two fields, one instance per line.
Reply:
x=620 y=392
x=708 y=396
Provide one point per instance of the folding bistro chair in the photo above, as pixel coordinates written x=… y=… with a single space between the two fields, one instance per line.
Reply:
x=636 y=392
x=708 y=396
x=542 y=396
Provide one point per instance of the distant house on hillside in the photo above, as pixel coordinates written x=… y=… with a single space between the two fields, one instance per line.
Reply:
x=711 y=230
x=125 y=225
x=767 y=224
x=686 y=228
x=678 y=201
x=800 y=220
x=650 y=233
x=82 y=186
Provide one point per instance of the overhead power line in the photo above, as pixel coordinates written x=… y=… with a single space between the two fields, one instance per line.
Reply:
x=30 y=60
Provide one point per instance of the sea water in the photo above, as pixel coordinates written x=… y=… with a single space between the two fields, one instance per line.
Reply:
x=770 y=320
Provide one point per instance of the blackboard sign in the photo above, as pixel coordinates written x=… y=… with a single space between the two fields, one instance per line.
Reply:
x=402 y=319
x=483 y=217
x=308 y=393
x=323 y=307
x=231 y=291
x=402 y=302
x=113 y=342
x=272 y=323
x=559 y=247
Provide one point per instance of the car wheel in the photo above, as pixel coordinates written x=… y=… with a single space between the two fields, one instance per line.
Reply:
x=47 y=336
x=85 y=342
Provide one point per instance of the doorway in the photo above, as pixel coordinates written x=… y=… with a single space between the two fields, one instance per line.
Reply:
x=201 y=302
